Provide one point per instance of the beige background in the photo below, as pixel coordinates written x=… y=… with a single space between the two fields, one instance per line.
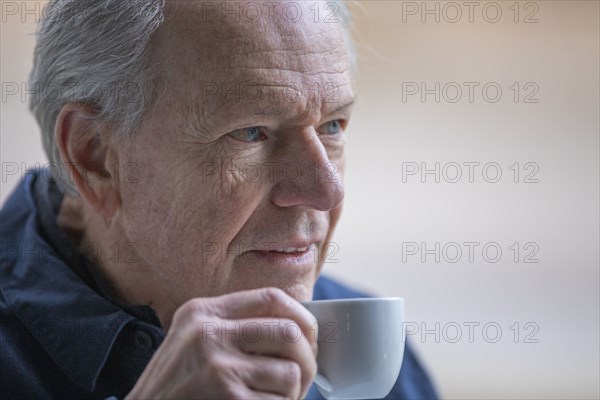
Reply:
x=558 y=54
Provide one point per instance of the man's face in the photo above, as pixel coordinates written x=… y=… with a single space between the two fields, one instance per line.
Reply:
x=242 y=157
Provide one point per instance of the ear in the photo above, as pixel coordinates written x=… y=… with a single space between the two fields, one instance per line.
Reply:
x=86 y=151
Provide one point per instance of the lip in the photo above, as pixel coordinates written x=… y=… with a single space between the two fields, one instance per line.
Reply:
x=279 y=245
x=301 y=254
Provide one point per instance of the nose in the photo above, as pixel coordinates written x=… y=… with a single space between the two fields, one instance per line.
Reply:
x=308 y=177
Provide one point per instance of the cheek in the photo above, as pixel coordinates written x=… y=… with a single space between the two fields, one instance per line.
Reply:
x=234 y=197
x=189 y=214
x=334 y=217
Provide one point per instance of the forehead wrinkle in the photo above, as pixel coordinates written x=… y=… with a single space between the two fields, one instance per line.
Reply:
x=297 y=53
x=243 y=44
x=280 y=106
x=305 y=68
x=266 y=107
x=238 y=52
x=245 y=36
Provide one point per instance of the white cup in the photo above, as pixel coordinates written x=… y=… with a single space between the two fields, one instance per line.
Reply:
x=361 y=346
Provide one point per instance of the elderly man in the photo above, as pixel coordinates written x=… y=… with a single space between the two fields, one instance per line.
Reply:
x=197 y=151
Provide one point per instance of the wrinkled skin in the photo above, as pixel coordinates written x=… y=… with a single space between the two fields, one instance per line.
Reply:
x=215 y=184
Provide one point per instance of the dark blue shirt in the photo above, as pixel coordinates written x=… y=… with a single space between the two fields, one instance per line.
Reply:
x=62 y=337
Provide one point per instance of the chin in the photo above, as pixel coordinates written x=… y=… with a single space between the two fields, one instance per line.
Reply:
x=300 y=292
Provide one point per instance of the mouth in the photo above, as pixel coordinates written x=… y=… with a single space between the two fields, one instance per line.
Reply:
x=286 y=255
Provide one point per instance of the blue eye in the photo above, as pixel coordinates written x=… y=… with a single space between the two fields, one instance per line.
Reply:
x=333 y=127
x=250 y=134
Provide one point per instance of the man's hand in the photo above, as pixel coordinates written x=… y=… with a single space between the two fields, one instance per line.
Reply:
x=246 y=345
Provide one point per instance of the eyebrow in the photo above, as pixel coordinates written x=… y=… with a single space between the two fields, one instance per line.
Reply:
x=199 y=123
x=281 y=108
x=344 y=106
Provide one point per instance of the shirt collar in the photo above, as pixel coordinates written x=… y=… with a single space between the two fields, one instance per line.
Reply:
x=75 y=325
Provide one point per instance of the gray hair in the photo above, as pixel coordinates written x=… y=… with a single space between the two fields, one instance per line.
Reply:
x=98 y=52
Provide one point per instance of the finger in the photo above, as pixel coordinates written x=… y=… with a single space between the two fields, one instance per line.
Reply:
x=273 y=375
x=277 y=338
x=249 y=394
x=274 y=337
x=254 y=395
x=266 y=302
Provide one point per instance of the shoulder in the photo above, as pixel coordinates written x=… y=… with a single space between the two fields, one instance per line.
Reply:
x=27 y=369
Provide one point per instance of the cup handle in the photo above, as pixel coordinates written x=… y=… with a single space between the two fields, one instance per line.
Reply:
x=323 y=385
